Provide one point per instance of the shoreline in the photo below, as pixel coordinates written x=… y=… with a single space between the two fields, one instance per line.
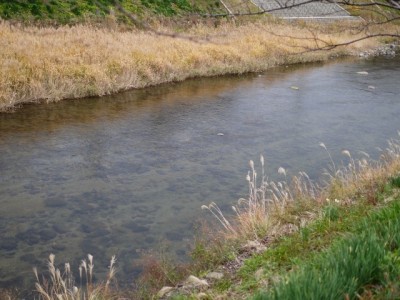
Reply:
x=47 y=64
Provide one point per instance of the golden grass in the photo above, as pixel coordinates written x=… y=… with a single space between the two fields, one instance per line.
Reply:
x=271 y=206
x=50 y=64
x=62 y=286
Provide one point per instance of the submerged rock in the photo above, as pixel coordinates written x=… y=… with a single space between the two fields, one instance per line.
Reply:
x=8 y=244
x=47 y=234
x=173 y=236
x=60 y=228
x=135 y=227
x=55 y=202
x=29 y=258
x=30 y=236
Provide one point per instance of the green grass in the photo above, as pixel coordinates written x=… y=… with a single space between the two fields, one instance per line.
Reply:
x=350 y=250
x=71 y=11
x=76 y=11
x=288 y=251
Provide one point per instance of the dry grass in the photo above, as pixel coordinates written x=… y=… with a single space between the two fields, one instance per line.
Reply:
x=271 y=206
x=50 y=64
x=62 y=286
x=364 y=177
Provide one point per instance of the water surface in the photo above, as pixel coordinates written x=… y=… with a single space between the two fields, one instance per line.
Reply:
x=126 y=173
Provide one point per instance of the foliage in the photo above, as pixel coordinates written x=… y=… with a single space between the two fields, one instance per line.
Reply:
x=64 y=12
x=368 y=257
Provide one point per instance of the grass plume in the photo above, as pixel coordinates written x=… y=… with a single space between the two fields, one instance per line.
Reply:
x=61 y=285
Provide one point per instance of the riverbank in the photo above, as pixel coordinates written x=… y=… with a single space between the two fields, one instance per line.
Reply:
x=285 y=236
x=295 y=240
x=51 y=64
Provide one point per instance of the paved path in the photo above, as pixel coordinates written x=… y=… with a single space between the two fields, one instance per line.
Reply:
x=317 y=9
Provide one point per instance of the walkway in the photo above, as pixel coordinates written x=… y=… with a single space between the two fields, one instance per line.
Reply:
x=294 y=9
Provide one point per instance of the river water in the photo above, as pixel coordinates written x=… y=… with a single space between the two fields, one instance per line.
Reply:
x=127 y=173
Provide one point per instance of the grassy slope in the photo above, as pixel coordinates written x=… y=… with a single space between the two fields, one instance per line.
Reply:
x=320 y=259
x=60 y=11
x=72 y=11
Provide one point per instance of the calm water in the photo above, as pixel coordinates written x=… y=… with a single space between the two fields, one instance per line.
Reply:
x=124 y=174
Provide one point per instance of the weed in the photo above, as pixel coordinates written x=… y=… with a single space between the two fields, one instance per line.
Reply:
x=331 y=212
x=62 y=285
x=158 y=269
x=369 y=257
x=223 y=285
x=395 y=182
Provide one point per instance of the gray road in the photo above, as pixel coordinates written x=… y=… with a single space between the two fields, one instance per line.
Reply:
x=295 y=9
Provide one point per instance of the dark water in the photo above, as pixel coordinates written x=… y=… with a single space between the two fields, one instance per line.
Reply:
x=124 y=174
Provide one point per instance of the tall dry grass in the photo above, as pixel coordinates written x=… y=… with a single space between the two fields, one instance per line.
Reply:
x=50 y=64
x=272 y=205
x=61 y=285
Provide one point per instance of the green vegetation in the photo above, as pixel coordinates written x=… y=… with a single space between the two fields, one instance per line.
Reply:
x=350 y=250
x=77 y=11
x=369 y=257
x=64 y=12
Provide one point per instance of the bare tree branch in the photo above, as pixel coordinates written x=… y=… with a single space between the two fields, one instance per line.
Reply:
x=227 y=8
x=289 y=4
x=364 y=28
x=144 y=26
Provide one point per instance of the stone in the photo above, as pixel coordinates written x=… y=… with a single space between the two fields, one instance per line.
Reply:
x=215 y=275
x=362 y=73
x=164 y=291
x=193 y=281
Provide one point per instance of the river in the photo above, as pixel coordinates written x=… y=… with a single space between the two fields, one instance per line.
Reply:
x=126 y=173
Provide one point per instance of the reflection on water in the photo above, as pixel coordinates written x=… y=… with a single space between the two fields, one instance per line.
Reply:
x=122 y=174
